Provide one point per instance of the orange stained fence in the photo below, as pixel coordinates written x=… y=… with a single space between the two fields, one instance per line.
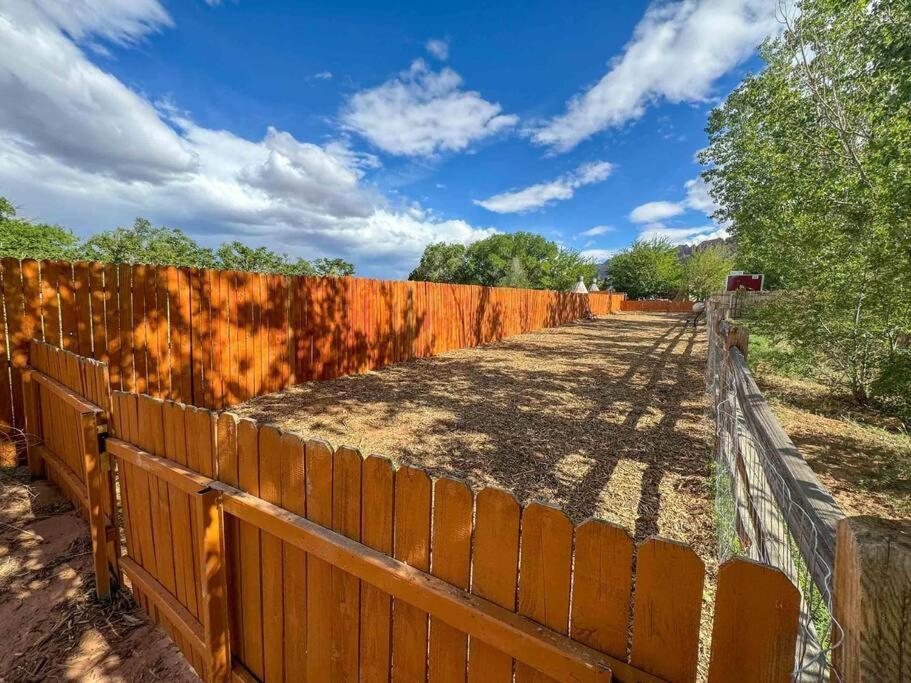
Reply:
x=657 y=306
x=271 y=558
x=215 y=338
x=66 y=406
x=605 y=303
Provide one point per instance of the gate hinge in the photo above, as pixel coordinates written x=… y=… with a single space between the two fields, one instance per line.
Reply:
x=105 y=461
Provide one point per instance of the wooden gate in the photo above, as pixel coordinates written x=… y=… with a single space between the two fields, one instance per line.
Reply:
x=270 y=558
x=66 y=400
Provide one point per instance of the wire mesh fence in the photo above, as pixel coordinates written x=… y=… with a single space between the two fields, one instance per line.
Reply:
x=769 y=506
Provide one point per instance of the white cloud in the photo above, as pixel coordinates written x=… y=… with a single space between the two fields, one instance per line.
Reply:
x=323 y=75
x=420 y=112
x=692 y=235
x=677 y=52
x=655 y=211
x=597 y=230
x=438 y=48
x=542 y=194
x=80 y=148
x=598 y=255
x=697 y=199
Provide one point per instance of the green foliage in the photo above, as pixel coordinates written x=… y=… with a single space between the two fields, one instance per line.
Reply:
x=144 y=243
x=892 y=387
x=21 y=238
x=705 y=272
x=518 y=259
x=330 y=266
x=810 y=161
x=647 y=268
x=441 y=262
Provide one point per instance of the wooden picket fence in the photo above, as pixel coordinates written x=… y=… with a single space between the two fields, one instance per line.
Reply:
x=271 y=558
x=215 y=338
x=656 y=306
x=605 y=303
x=66 y=404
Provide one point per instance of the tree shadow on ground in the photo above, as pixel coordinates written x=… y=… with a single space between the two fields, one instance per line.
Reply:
x=593 y=416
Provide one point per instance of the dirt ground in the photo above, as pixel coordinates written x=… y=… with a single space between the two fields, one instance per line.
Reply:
x=862 y=457
x=51 y=626
x=605 y=418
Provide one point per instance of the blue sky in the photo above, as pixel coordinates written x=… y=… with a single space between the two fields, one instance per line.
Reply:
x=367 y=130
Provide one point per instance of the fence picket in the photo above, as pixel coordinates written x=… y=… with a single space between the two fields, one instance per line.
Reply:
x=273 y=590
x=294 y=560
x=602 y=584
x=412 y=546
x=346 y=519
x=544 y=574
x=755 y=623
x=495 y=567
x=250 y=556
x=667 y=609
x=319 y=580
x=451 y=561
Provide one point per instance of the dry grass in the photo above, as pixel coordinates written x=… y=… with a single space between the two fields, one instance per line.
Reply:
x=858 y=454
x=605 y=418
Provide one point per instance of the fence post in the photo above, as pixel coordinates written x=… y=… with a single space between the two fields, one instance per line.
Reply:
x=872 y=599
x=32 y=414
x=94 y=492
x=213 y=582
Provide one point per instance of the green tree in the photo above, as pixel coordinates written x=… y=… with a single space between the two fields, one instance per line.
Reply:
x=144 y=243
x=705 y=272
x=647 y=268
x=21 y=238
x=238 y=256
x=332 y=266
x=441 y=262
x=518 y=259
x=810 y=161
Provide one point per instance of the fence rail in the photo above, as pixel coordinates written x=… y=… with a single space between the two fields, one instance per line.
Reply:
x=215 y=338
x=769 y=504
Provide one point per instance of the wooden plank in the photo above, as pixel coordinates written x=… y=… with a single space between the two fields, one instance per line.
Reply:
x=453 y=507
x=174 y=612
x=412 y=546
x=319 y=573
x=125 y=321
x=250 y=554
x=228 y=473
x=345 y=589
x=294 y=560
x=754 y=631
x=602 y=584
x=667 y=609
x=94 y=491
x=517 y=636
x=273 y=590
x=82 y=294
x=545 y=566
x=50 y=306
x=872 y=588
x=495 y=571
x=214 y=593
x=66 y=291
x=377 y=533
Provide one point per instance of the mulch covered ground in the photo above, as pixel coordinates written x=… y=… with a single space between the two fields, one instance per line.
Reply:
x=606 y=418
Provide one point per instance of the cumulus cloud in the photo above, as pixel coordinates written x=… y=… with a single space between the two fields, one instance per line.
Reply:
x=655 y=211
x=597 y=230
x=691 y=235
x=80 y=148
x=421 y=112
x=438 y=48
x=543 y=194
x=598 y=255
x=697 y=199
x=677 y=52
